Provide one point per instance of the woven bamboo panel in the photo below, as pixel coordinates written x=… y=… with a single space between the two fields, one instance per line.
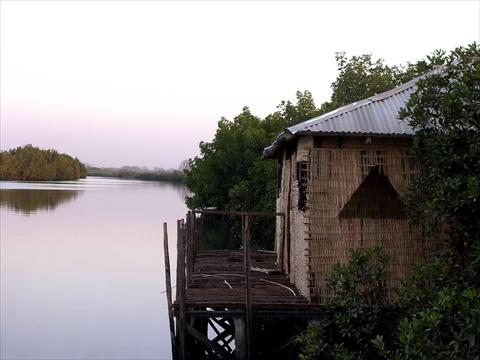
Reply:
x=334 y=177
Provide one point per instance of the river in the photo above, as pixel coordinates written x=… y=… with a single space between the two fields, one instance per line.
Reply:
x=82 y=268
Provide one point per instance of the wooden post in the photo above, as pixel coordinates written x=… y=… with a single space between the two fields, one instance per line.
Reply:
x=179 y=234
x=189 y=245
x=194 y=240
x=169 y=288
x=181 y=290
x=248 y=303
x=202 y=229
x=279 y=247
x=240 y=339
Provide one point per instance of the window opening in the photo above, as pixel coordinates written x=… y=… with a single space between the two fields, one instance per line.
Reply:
x=302 y=178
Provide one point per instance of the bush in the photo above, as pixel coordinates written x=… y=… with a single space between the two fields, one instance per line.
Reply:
x=359 y=311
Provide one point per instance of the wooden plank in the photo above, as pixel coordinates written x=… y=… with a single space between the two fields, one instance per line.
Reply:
x=204 y=340
x=169 y=288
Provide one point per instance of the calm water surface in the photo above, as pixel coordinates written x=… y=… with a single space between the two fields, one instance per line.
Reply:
x=82 y=273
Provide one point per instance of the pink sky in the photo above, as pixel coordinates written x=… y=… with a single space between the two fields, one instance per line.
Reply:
x=142 y=83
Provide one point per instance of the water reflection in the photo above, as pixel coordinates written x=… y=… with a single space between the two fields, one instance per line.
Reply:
x=31 y=201
x=86 y=281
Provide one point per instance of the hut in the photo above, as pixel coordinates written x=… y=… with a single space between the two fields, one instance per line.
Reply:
x=342 y=178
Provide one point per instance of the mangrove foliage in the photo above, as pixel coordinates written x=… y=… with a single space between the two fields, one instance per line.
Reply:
x=29 y=163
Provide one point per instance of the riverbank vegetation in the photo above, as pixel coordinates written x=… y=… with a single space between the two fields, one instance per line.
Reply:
x=137 y=173
x=29 y=163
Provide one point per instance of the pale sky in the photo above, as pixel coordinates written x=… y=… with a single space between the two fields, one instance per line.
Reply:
x=143 y=82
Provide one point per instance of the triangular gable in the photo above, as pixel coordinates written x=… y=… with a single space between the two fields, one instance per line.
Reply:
x=375 y=198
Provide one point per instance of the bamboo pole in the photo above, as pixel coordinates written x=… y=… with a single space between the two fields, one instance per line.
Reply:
x=169 y=288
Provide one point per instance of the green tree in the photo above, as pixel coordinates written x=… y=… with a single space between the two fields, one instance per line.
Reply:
x=445 y=111
x=361 y=76
x=33 y=164
x=443 y=298
x=229 y=173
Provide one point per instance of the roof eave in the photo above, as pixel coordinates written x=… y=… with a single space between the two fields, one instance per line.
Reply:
x=270 y=152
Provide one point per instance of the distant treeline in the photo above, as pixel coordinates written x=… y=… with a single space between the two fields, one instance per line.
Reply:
x=29 y=163
x=134 y=172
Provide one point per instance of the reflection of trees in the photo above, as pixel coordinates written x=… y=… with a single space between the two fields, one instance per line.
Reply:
x=181 y=190
x=31 y=201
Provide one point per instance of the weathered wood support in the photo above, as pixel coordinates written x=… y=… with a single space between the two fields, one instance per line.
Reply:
x=224 y=334
x=248 y=301
x=190 y=245
x=168 y=283
x=209 y=344
x=240 y=339
x=193 y=243
x=181 y=291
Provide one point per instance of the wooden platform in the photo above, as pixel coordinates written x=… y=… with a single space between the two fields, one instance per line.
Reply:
x=218 y=281
x=225 y=297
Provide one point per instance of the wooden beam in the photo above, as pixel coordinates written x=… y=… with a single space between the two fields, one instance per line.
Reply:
x=317 y=314
x=221 y=335
x=223 y=322
x=239 y=213
x=204 y=340
x=169 y=289
x=258 y=306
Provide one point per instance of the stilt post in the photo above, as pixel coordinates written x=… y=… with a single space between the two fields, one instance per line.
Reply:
x=181 y=291
x=169 y=288
x=248 y=301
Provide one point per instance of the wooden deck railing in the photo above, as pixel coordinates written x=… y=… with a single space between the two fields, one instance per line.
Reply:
x=187 y=246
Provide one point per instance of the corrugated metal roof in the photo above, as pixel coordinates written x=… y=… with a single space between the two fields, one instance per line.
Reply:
x=376 y=116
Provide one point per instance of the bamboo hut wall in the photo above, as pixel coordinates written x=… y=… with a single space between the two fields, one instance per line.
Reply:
x=292 y=254
x=334 y=175
x=282 y=204
x=298 y=228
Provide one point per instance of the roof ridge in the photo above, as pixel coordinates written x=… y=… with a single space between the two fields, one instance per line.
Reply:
x=376 y=115
x=358 y=104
